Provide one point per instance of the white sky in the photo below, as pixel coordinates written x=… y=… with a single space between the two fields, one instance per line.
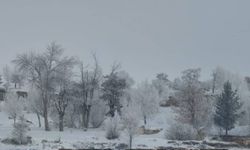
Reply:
x=147 y=37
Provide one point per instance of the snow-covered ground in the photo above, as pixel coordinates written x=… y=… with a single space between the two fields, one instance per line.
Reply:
x=77 y=138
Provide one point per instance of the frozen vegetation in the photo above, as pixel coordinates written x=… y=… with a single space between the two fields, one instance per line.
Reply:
x=53 y=101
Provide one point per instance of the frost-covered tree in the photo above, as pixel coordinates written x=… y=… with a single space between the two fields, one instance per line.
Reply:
x=17 y=78
x=13 y=107
x=20 y=130
x=194 y=106
x=227 y=108
x=146 y=97
x=35 y=104
x=221 y=75
x=112 y=126
x=63 y=92
x=61 y=101
x=130 y=121
x=7 y=77
x=161 y=84
x=113 y=89
x=41 y=69
x=86 y=89
x=126 y=97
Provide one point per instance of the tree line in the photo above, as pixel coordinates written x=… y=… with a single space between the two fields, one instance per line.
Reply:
x=77 y=95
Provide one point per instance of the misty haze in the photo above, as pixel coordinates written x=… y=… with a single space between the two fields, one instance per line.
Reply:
x=141 y=74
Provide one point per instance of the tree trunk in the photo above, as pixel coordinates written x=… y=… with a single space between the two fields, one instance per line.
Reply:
x=87 y=116
x=112 y=110
x=145 y=119
x=226 y=132
x=14 y=118
x=61 y=122
x=84 y=115
x=130 y=141
x=39 y=120
x=45 y=113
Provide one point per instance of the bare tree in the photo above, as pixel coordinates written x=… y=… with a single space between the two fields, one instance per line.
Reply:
x=87 y=87
x=194 y=106
x=147 y=98
x=42 y=69
x=61 y=100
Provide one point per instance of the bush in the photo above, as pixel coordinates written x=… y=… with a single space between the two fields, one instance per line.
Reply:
x=180 y=131
x=20 y=130
x=112 y=127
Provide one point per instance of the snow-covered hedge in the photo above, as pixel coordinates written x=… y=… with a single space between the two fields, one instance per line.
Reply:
x=178 y=131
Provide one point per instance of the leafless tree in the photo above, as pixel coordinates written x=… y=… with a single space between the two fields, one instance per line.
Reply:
x=88 y=85
x=147 y=98
x=42 y=68
x=194 y=106
x=61 y=100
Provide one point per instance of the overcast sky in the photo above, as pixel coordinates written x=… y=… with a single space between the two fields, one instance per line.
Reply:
x=147 y=37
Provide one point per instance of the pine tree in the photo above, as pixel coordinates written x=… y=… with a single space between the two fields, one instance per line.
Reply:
x=113 y=88
x=20 y=130
x=227 y=108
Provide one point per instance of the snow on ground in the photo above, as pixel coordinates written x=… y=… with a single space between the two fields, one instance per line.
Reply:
x=77 y=138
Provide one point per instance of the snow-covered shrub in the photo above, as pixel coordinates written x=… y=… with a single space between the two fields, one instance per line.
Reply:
x=20 y=130
x=179 y=131
x=13 y=107
x=147 y=98
x=112 y=125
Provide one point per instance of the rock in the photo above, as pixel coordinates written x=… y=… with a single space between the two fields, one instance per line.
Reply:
x=143 y=130
x=121 y=146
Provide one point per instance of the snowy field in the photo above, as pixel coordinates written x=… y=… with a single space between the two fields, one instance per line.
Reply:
x=92 y=138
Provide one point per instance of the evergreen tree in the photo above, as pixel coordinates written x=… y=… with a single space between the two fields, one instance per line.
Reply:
x=113 y=88
x=20 y=130
x=227 y=108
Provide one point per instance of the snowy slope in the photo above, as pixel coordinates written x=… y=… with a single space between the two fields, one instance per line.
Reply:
x=76 y=138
